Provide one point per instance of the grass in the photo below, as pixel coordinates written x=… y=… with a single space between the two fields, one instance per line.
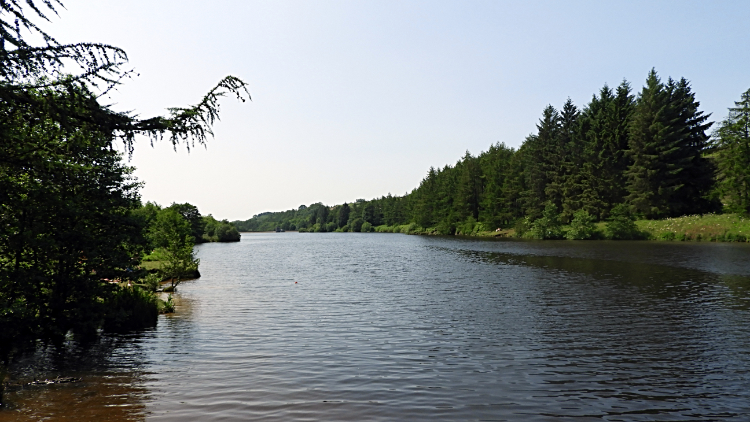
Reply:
x=151 y=265
x=708 y=227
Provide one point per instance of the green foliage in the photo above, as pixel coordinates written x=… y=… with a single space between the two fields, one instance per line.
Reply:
x=621 y=225
x=670 y=175
x=167 y=306
x=219 y=231
x=356 y=225
x=548 y=226
x=522 y=226
x=366 y=227
x=191 y=214
x=130 y=308
x=582 y=227
x=66 y=216
x=172 y=234
x=733 y=157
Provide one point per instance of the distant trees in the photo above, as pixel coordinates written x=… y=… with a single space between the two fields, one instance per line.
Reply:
x=618 y=158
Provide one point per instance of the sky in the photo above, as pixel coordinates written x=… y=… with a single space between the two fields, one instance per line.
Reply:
x=358 y=99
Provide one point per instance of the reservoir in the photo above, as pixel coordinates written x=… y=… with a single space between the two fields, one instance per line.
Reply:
x=384 y=327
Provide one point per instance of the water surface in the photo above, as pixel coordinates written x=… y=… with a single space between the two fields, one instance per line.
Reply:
x=358 y=327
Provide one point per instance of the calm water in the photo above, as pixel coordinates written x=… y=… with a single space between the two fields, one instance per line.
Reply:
x=358 y=327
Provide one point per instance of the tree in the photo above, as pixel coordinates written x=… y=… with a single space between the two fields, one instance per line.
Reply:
x=733 y=156
x=344 y=214
x=193 y=216
x=582 y=227
x=605 y=159
x=561 y=162
x=26 y=67
x=172 y=235
x=66 y=217
x=670 y=175
x=539 y=149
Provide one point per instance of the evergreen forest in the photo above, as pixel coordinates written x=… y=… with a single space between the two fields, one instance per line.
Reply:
x=621 y=157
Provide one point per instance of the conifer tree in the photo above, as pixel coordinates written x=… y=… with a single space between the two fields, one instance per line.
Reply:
x=469 y=189
x=495 y=209
x=604 y=129
x=733 y=156
x=670 y=175
x=539 y=149
x=565 y=163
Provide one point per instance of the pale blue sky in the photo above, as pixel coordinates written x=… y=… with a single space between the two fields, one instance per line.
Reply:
x=356 y=99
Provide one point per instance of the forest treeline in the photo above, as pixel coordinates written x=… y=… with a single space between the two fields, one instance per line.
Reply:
x=620 y=157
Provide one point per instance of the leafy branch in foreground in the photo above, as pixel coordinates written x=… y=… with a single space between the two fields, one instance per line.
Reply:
x=28 y=67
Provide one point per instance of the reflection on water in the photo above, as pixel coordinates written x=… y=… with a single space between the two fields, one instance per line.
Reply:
x=395 y=327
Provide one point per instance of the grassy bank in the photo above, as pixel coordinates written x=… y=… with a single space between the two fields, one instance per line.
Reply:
x=706 y=228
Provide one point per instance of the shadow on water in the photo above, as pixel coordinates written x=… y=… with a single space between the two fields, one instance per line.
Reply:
x=109 y=387
x=111 y=372
x=657 y=280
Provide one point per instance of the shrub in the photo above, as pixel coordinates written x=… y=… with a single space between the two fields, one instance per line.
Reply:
x=522 y=226
x=548 y=226
x=446 y=228
x=621 y=225
x=130 y=308
x=356 y=225
x=582 y=227
x=366 y=227
x=166 y=306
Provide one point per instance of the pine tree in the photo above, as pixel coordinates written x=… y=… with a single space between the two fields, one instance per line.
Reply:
x=566 y=161
x=539 y=149
x=469 y=189
x=670 y=175
x=733 y=156
x=697 y=178
x=604 y=129
x=495 y=209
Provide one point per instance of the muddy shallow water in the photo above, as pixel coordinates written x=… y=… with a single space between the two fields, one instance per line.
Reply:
x=348 y=326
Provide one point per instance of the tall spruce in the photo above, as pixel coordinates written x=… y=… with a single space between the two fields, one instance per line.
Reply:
x=670 y=175
x=540 y=148
x=604 y=129
x=564 y=171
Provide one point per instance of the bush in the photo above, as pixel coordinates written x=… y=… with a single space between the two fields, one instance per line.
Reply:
x=582 y=227
x=445 y=228
x=621 y=225
x=522 y=226
x=130 y=308
x=366 y=227
x=356 y=225
x=547 y=227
